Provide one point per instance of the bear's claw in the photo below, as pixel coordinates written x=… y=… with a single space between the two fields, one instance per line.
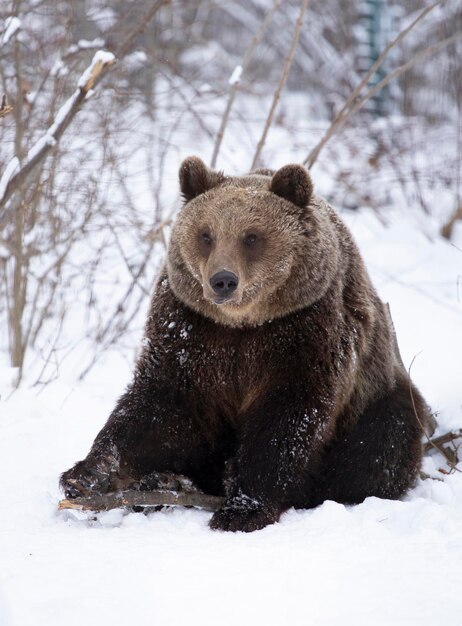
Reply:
x=244 y=514
x=81 y=480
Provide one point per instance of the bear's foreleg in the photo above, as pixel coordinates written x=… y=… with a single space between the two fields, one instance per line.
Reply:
x=279 y=451
x=154 y=427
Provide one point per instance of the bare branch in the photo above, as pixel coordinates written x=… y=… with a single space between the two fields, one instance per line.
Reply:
x=446 y=438
x=235 y=84
x=13 y=180
x=282 y=82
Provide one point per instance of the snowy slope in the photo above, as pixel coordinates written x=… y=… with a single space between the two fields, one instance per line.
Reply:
x=378 y=563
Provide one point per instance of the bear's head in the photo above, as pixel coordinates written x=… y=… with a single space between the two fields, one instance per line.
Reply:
x=246 y=249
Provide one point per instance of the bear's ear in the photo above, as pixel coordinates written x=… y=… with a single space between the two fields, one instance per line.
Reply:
x=293 y=183
x=196 y=178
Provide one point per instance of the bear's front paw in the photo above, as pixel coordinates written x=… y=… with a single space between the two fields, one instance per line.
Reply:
x=165 y=481
x=244 y=514
x=84 y=479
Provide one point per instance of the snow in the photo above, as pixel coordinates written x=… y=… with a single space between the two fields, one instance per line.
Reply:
x=235 y=76
x=381 y=562
x=12 y=24
x=59 y=68
x=135 y=60
x=101 y=56
x=84 y=44
x=46 y=140
x=9 y=172
x=104 y=17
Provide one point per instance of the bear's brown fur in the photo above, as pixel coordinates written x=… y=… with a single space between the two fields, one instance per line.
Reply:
x=269 y=363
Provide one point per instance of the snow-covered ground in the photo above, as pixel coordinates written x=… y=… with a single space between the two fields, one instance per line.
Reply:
x=378 y=563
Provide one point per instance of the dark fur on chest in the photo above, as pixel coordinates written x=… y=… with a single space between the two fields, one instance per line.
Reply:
x=226 y=371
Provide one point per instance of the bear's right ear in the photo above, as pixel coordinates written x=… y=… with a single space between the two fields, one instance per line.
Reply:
x=293 y=183
x=196 y=178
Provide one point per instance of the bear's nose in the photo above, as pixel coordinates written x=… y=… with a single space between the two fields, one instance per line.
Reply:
x=224 y=283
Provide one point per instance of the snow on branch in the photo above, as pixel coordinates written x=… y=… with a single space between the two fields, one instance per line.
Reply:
x=15 y=175
x=101 y=59
x=12 y=25
x=11 y=169
x=235 y=76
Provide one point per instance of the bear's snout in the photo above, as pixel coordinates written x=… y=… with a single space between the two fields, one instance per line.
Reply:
x=224 y=283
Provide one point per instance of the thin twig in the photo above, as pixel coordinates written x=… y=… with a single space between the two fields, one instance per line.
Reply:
x=448 y=437
x=282 y=82
x=235 y=85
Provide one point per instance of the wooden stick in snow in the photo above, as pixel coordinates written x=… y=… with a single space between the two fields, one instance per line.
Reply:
x=130 y=498
x=446 y=230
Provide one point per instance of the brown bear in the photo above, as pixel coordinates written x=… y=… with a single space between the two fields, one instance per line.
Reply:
x=269 y=371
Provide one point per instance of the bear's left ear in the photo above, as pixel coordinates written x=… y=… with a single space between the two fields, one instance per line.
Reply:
x=196 y=178
x=293 y=183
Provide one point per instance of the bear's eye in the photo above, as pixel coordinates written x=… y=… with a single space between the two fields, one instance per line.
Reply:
x=206 y=238
x=251 y=240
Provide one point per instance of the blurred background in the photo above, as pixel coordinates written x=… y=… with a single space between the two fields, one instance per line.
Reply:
x=241 y=84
